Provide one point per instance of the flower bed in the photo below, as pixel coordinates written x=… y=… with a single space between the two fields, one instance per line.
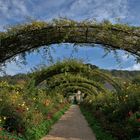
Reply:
x=28 y=113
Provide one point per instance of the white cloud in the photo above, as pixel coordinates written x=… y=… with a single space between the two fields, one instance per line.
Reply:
x=12 y=69
x=126 y=57
x=13 y=9
x=100 y=9
x=134 y=67
x=18 y=10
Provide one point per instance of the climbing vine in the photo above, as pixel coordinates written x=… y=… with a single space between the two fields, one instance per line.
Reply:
x=30 y=36
x=76 y=68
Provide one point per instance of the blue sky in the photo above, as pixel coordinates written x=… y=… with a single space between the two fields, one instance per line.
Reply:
x=19 y=11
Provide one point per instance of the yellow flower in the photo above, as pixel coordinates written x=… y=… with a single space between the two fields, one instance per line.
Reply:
x=4 y=118
x=27 y=108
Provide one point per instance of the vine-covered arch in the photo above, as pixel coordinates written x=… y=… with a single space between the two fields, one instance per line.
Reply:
x=64 y=80
x=90 y=88
x=27 y=37
x=73 y=89
x=73 y=67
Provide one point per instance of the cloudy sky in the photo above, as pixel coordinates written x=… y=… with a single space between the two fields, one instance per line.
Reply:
x=20 y=11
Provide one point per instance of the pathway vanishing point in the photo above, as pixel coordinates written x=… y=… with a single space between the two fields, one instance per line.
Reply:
x=71 y=126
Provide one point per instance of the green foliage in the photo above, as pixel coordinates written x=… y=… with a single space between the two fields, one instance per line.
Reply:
x=29 y=109
x=36 y=132
x=136 y=79
x=96 y=126
x=33 y=25
x=26 y=110
x=124 y=74
x=33 y=34
x=20 y=28
x=4 y=135
x=119 y=114
x=78 y=70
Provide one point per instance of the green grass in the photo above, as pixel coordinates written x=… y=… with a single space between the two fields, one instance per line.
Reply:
x=4 y=135
x=43 y=129
x=96 y=126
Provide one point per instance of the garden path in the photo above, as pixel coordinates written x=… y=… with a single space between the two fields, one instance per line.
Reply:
x=71 y=126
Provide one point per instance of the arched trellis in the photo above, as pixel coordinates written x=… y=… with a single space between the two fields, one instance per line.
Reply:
x=61 y=80
x=30 y=36
x=71 y=89
x=90 y=88
x=73 y=67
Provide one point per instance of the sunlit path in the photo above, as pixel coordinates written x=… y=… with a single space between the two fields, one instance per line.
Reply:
x=71 y=126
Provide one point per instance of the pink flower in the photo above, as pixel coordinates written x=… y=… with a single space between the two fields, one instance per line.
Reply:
x=130 y=113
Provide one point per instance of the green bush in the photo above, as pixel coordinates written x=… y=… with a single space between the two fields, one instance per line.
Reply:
x=118 y=112
x=96 y=126
x=4 y=135
x=29 y=112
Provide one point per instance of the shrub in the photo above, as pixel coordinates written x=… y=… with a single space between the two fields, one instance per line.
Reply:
x=118 y=112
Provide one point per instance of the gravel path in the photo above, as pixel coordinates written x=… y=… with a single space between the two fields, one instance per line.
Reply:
x=71 y=126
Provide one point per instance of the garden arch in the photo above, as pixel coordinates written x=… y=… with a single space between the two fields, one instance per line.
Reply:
x=72 y=89
x=73 y=67
x=90 y=88
x=26 y=37
x=62 y=80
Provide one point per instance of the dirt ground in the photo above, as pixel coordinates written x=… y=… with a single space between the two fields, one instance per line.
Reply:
x=71 y=126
